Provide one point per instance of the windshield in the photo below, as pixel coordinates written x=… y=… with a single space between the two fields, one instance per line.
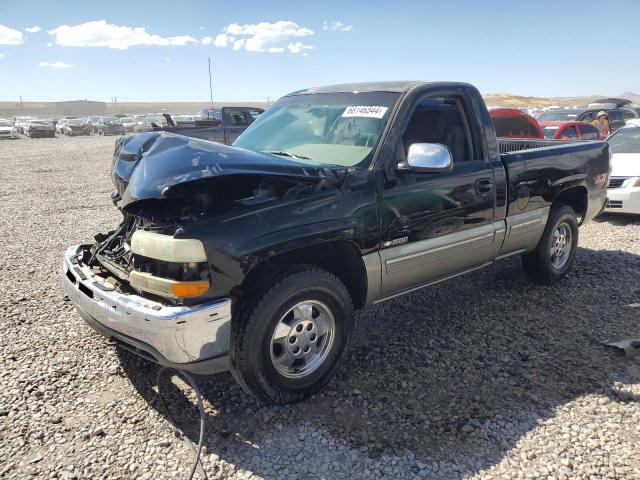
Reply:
x=75 y=122
x=625 y=140
x=328 y=128
x=558 y=115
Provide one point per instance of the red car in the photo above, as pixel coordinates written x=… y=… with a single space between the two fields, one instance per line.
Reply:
x=512 y=123
x=571 y=131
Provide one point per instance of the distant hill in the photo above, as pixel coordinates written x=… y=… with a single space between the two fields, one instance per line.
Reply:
x=518 y=101
x=44 y=109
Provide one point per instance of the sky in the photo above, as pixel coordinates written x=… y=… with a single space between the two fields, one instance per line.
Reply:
x=157 y=50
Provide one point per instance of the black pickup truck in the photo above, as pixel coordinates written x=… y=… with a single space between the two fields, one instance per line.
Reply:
x=253 y=257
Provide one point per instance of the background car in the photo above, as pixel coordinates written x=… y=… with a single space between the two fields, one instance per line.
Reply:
x=232 y=116
x=630 y=111
x=128 y=123
x=584 y=114
x=107 y=126
x=39 y=129
x=513 y=123
x=146 y=124
x=571 y=131
x=20 y=122
x=186 y=120
x=7 y=130
x=623 y=191
x=73 y=126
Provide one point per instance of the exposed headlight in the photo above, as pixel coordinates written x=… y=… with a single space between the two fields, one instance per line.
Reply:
x=166 y=248
x=636 y=183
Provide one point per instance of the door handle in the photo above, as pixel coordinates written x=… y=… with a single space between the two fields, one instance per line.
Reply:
x=484 y=186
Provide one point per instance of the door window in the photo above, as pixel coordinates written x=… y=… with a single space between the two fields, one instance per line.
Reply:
x=570 y=132
x=615 y=115
x=588 y=117
x=627 y=114
x=588 y=132
x=441 y=120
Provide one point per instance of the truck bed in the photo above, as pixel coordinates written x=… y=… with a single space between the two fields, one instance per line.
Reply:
x=538 y=170
x=508 y=145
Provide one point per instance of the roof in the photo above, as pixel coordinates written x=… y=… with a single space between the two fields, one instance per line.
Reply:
x=392 y=86
x=559 y=123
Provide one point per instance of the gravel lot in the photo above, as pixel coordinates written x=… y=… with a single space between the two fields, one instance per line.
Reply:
x=486 y=376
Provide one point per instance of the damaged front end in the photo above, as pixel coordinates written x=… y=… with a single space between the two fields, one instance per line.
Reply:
x=164 y=185
x=156 y=283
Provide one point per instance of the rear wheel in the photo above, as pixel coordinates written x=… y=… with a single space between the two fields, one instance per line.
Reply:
x=556 y=250
x=287 y=341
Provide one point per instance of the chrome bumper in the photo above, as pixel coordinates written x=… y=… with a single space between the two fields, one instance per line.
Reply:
x=194 y=339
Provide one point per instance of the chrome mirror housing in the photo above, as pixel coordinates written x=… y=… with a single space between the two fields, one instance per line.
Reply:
x=427 y=158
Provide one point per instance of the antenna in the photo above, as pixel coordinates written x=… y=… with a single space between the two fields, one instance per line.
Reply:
x=210 y=84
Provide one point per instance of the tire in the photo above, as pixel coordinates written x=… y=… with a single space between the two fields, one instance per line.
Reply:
x=546 y=265
x=262 y=365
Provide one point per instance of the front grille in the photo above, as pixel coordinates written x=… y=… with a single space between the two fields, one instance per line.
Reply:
x=616 y=182
x=614 y=204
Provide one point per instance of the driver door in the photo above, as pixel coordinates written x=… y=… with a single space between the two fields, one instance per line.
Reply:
x=435 y=225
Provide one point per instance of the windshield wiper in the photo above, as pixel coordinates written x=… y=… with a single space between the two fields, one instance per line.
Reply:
x=282 y=153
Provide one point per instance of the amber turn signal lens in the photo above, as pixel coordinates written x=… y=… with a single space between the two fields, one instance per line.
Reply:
x=167 y=287
x=189 y=289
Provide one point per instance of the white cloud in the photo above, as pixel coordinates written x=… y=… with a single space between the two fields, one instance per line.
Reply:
x=58 y=64
x=1 y=55
x=49 y=44
x=264 y=37
x=238 y=44
x=206 y=40
x=334 y=25
x=299 y=47
x=9 y=36
x=222 y=40
x=33 y=29
x=167 y=59
x=99 y=33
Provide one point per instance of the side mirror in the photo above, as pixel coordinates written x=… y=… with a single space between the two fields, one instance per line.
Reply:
x=427 y=158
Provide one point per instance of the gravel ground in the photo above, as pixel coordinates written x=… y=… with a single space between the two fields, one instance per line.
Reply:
x=486 y=376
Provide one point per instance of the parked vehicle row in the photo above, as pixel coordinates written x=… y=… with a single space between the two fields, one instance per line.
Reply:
x=221 y=124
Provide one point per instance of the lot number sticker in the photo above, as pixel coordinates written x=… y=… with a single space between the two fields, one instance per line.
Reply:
x=369 y=111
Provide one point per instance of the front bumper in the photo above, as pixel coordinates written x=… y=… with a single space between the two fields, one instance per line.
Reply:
x=623 y=200
x=194 y=339
x=41 y=133
x=78 y=131
x=114 y=131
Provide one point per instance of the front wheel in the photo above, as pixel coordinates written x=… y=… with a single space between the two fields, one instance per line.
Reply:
x=556 y=250
x=287 y=341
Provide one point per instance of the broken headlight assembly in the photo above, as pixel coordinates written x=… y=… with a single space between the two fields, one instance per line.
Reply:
x=183 y=255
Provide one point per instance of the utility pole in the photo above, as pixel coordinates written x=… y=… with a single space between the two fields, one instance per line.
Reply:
x=21 y=106
x=210 y=85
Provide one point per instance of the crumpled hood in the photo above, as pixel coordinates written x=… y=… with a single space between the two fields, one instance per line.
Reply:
x=148 y=165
